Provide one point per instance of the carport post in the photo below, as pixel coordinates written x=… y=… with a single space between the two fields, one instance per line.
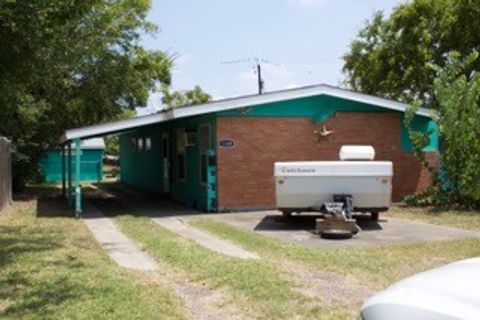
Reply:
x=69 y=173
x=78 y=187
x=64 y=191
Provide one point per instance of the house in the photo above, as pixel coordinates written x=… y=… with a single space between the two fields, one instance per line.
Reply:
x=219 y=156
x=91 y=156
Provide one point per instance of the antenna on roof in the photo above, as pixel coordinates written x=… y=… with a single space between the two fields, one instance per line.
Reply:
x=258 y=69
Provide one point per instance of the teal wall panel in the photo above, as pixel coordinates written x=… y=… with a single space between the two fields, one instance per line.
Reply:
x=90 y=165
x=425 y=125
x=141 y=168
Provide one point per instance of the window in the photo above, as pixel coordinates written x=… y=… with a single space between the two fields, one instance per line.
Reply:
x=139 y=144
x=204 y=145
x=148 y=144
x=181 y=157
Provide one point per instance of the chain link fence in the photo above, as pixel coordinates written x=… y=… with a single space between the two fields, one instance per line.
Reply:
x=5 y=173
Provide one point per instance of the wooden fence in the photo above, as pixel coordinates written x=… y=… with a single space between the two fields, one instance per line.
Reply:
x=5 y=173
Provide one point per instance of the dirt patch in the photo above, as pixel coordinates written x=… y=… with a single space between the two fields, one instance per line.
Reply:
x=201 y=302
x=330 y=288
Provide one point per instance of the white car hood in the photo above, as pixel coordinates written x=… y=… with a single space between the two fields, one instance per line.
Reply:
x=448 y=292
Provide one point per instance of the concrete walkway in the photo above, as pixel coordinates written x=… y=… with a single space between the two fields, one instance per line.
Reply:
x=170 y=216
x=119 y=247
x=204 y=239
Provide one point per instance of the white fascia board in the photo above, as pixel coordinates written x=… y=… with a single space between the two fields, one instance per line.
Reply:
x=111 y=127
x=249 y=101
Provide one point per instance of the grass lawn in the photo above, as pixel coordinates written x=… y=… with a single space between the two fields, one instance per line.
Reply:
x=51 y=267
x=375 y=267
x=264 y=286
x=454 y=218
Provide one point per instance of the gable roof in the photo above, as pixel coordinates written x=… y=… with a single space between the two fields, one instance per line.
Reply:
x=235 y=103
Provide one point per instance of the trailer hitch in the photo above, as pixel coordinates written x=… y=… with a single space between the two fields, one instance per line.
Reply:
x=338 y=222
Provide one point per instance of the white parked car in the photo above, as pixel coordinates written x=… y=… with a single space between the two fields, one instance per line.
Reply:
x=449 y=292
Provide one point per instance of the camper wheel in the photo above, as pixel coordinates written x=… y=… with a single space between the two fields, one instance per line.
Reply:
x=374 y=215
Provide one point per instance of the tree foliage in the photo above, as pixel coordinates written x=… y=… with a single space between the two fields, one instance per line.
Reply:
x=456 y=89
x=112 y=146
x=458 y=96
x=177 y=99
x=391 y=55
x=67 y=63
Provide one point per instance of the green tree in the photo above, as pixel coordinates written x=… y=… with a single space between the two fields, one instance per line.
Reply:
x=177 y=99
x=391 y=55
x=70 y=63
x=456 y=89
x=112 y=146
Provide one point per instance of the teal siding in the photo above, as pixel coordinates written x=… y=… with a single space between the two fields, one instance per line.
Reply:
x=320 y=108
x=144 y=169
x=422 y=124
x=90 y=165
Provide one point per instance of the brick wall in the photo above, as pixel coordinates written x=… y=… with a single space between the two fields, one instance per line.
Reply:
x=245 y=172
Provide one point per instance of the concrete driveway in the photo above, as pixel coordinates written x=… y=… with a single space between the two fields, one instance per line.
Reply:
x=298 y=229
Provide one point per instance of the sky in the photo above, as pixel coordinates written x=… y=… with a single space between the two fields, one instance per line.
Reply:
x=302 y=40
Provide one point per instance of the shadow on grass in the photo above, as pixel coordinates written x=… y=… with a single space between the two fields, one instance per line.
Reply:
x=39 y=191
x=19 y=240
x=54 y=208
x=111 y=207
x=36 y=300
x=29 y=294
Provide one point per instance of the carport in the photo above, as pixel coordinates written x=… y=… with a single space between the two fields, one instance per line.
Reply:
x=71 y=139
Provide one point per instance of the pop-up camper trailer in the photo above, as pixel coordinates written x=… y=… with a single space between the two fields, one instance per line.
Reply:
x=356 y=183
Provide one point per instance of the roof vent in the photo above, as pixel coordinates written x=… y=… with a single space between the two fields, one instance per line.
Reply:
x=352 y=153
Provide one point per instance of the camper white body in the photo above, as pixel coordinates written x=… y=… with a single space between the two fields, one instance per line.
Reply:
x=308 y=185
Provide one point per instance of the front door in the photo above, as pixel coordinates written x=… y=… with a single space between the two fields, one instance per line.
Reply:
x=166 y=163
x=207 y=168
